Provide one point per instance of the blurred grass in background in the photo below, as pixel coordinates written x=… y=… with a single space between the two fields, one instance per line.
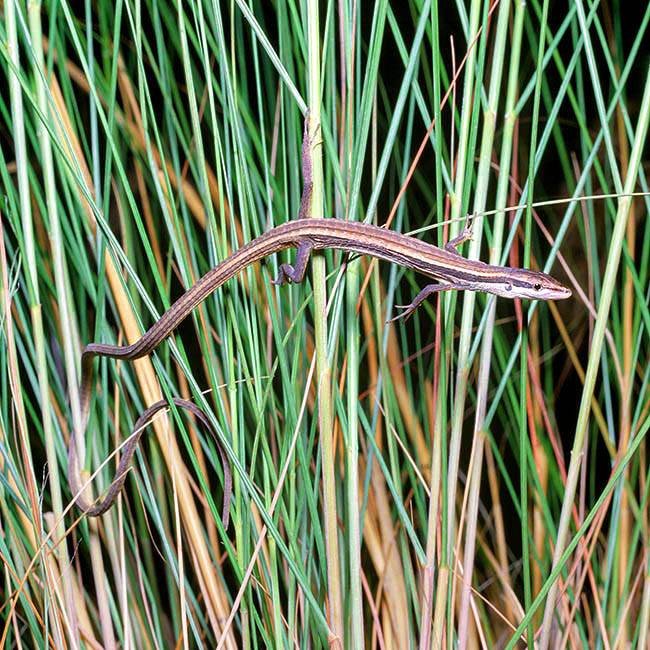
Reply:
x=425 y=484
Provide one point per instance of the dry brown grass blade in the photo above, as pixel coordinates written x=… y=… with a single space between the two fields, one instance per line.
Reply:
x=411 y=423
x=30 y=525
x=216 y=603
x=380 y=539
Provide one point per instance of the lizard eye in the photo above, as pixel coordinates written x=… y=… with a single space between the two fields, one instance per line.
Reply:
x=508 y=287
x=537 y=287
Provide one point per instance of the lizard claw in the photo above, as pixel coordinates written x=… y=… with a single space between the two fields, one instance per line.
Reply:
x=408 y=310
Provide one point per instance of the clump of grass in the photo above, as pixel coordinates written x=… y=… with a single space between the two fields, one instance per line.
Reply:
x=475 y=476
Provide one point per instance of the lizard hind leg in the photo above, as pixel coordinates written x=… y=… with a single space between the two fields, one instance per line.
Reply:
x=464 y=235
x=307 y=170
x=309 y=142
x=295 y=272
